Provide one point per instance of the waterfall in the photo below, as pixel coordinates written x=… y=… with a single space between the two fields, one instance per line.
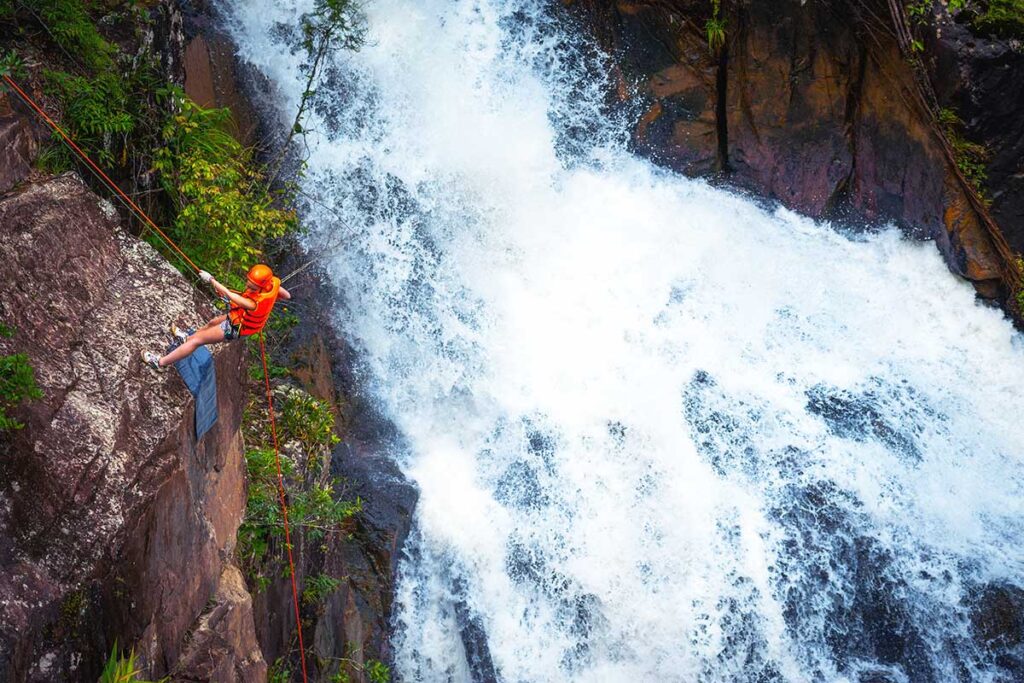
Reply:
x=662 y=432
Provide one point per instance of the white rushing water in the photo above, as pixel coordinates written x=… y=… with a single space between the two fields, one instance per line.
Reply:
x=661 y=433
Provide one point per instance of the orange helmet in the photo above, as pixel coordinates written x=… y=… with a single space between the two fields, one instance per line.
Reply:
x=260 y=277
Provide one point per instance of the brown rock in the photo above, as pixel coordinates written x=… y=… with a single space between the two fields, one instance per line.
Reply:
x=815 y=105
x=789 y=78
x=223 y=647
x=211 y=81
x=17 y=146
x=115 y=521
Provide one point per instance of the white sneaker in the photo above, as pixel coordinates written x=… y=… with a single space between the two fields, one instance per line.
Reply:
x=152 y=360
x=179 y=334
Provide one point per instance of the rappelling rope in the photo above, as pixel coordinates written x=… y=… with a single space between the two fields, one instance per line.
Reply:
x=263 y=354
x=284 y=506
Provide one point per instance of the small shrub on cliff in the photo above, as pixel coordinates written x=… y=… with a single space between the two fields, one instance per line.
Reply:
x=17 y=383
x=714 y=28
x=319 y=588
x=314 y=506
x=1002 y=18
x=11 y=65
x=309 y=420
x=68 y=23
x=121 y=669
x=279 y=672
x=98 y=113
x=971 y=158
x=378 y=671
x=224 y=213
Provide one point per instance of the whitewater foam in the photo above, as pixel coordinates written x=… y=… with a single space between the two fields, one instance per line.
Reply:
x=661 y=432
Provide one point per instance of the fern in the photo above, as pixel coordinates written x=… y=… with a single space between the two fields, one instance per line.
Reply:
x=73 y=30
x=225 y=214
x=98 y=112
x=319 y=588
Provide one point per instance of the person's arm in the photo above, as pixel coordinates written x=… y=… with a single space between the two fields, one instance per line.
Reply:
x=237 y=299
x=284 y=293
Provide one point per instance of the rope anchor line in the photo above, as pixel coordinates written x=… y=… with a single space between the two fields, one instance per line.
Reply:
x=132 y=206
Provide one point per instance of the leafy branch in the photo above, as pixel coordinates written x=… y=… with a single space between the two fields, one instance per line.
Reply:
x=332 y=26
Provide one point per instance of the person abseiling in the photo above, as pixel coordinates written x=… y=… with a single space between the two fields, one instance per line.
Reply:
x=248 y=312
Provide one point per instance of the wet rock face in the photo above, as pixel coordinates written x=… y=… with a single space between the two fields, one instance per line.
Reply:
x=805 y=104
x=982 y=79
x=997 y=615
x=115 y=523
x=352 y=625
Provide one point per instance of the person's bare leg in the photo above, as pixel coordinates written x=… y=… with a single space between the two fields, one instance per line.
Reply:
x=213 y=323
x=206 y=335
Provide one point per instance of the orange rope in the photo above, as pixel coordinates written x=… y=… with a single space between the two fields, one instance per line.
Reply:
x=284 y=507
x=263 y=353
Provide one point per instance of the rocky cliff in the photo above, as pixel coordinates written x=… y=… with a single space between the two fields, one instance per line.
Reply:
x=826 y=107
x=116 y=524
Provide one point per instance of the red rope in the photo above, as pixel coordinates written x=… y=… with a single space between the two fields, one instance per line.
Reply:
x=263 y=353
x=284 y=506
x=110 y=183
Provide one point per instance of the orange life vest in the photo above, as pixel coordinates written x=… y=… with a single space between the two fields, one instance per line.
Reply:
x=251 y=322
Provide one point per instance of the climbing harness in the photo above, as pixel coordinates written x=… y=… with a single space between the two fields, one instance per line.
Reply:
x=258 y=328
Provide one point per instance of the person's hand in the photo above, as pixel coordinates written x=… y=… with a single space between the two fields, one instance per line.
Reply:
x=204 y=276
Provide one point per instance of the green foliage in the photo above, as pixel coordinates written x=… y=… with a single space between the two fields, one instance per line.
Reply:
x=919 y=10
x=319 y=588
x=283 y=320
x=11 y=64
x=279 y=672
x=71 y=27
x=378 y=671
x=225 y=214
x=256 y=368
x=54 y=158
x=1019 y=295
x=316 y=509
x=17 y=383
x=309 y=420
x=120 y=669
x=312 y=506
x=971 y=158
x=332 y=25
x=714 y=28
x=1002 y=18
x=98 y=113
